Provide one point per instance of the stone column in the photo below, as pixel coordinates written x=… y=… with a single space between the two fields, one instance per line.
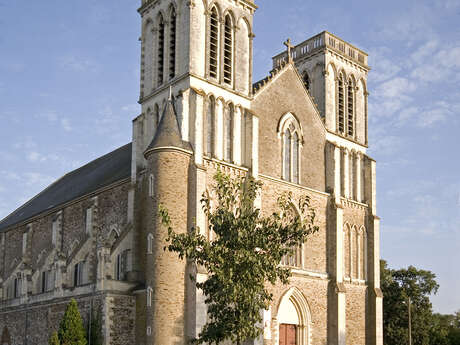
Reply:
x=359 y=196
x=237 y=136
x=185 y=115
x=375 y=335
x=219 y=137
x=255 y=146
x=199 y=144
x=346 y=173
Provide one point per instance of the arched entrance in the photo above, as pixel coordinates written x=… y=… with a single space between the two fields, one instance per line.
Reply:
x=294 y=319
x=6 y=339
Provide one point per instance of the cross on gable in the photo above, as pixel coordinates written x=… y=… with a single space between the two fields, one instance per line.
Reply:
x=289 y=48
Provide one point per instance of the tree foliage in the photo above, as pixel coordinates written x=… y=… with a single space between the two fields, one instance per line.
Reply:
x=71 y=330
x=54 y=339
x=244 y=255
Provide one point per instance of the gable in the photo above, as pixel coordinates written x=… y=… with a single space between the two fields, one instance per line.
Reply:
x=285 y=94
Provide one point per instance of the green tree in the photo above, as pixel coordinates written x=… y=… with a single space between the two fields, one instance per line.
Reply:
x=244 y=256
x=397 y=287
x=54 y=339
x=71 y=330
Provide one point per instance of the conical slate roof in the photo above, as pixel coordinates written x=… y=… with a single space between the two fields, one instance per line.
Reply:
x=168 y=132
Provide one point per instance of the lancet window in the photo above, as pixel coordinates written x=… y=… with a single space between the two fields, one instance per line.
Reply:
x=350 y=108
x=291 y=136
x=213 y=43
x=341 y=105
x=306 y=81
x=172 y=44
x=161 y=48
x=228 y=49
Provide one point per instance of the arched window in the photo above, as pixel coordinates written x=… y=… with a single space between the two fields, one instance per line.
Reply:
x=228 y=132
x=306 y=81
x=151 y=186
x=293 y=259
x=213 y=43
x=291 y=135
x=6 y=338
x=161 y=48
x=149 y=296
x=172 y=44
x=149 y=244
x=210 y=127
x=341 y=105
x=228 y=50
x=350 y=108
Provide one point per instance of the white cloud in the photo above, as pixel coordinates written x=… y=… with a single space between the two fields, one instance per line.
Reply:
x=131 y=108
x=76 y=64
x=65 y=123
x=54 y=117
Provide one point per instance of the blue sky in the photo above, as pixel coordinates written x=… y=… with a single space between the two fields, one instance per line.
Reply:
x=69 y=84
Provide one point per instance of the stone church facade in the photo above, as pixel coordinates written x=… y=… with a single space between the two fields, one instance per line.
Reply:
x=94 y=234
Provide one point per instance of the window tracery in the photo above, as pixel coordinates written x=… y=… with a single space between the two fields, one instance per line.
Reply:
x=292 y=139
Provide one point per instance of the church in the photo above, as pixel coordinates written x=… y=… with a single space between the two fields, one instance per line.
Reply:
x=95 y=235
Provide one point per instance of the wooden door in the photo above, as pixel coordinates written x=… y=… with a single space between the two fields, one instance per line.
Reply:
x=288 y=334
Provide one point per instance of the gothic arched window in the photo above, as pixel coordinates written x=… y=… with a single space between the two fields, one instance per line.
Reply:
x=341 y=105
x=350 y=108
x=213 y=43
x=172 y=43
x=228 y=49
x=209 y=132
x=161 y=48
x=228 y=132
x=306 y=81
x=291 y=135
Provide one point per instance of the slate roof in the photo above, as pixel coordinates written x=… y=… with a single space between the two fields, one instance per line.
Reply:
x=101 y=172
x=168 y=132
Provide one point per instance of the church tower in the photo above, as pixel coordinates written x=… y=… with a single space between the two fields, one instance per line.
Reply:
x=195 y=92
x=202 y=51
x=335 y=74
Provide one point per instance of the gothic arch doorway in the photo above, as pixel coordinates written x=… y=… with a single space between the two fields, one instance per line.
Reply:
x=6 y=339
x=294 y=319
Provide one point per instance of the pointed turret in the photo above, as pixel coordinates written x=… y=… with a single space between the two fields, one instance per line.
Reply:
x=168 y=133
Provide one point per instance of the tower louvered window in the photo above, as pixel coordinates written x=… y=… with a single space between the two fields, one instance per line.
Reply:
x=306 y=81
x=228 y=50
x=161 y=50
x=214 y=44
x=172 y=45
x=341 y=115
x=350 y=103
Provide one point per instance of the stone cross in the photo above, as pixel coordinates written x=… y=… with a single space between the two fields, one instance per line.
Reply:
x=289 y=47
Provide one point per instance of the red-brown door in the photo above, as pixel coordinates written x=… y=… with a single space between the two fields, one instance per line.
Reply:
x=288 y=334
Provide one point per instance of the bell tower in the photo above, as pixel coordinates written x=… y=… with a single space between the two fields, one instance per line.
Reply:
x=335 y=74
x=193 y=48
